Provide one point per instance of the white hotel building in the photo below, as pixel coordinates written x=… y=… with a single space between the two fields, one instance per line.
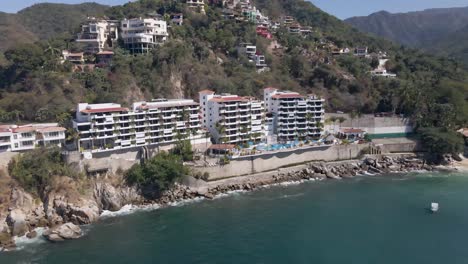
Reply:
x=232 y=119
x=142 y=35
x=28 y=137
x=107 y=127
x=98 y=34
x=293 y=116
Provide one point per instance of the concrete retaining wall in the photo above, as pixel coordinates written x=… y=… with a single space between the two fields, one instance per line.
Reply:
x=273 y=161
x=372 y=124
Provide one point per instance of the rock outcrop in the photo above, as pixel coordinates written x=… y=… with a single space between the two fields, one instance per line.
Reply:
x=61 y=209
x=64 y=210
x=110 y=198
x=22 y=213
x=63 y=232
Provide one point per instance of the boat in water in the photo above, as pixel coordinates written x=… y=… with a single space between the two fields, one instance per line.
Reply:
x=434 y=207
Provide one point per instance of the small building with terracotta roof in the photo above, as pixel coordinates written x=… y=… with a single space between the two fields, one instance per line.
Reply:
x=351 y=133
x=221 y=149
x=104 y=58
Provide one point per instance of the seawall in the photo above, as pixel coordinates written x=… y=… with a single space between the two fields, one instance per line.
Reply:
x=273 y=161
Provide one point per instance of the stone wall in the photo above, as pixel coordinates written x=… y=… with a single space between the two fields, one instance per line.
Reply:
x=272 y=161
x=124 y=159
x=372 y=124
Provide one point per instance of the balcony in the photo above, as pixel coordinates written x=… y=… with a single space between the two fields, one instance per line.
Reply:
x=228 y=111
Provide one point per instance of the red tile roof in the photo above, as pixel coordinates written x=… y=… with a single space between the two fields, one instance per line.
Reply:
x=79 y=54
x=270 y=89
x=105 y=53
x=105 y=110
x=286 y=96
x=229 y=99
x=222 y=146
x=23 y=129
x=51 y=129
x=5 y=128
x=352 y=130
x=167 y=105
x=206 y=91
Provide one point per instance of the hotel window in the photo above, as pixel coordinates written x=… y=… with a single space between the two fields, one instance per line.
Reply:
x=26 y=135
x=53 y=134
x=28 y=143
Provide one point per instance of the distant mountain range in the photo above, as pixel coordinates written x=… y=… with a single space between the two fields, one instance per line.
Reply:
x=444 y=30
x=42 y=21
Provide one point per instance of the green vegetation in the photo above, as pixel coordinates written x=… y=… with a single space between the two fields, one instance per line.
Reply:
x=44 y=21
x=440 y=141
x=202 y=53
x=183 y=149
x=157 y=174
x=35 y=170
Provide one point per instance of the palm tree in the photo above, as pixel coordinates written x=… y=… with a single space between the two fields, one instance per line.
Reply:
x=74 y=136
x=341 y=120
x=220 y=128
x=17 y=115
x=331 y=120
x=53 y=53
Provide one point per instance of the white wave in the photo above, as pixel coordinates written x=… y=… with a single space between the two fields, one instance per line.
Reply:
x=23 y=241
x=125 y=210
x=291 y=195
x=229 y=193
x=185 y=202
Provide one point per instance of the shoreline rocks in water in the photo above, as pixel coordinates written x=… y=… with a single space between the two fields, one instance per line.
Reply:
x=63 y=232
x=63 y=213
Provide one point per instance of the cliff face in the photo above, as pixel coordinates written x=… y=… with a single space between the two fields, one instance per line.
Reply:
x=65 y=202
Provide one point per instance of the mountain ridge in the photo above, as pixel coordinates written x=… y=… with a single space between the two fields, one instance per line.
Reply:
x=43 y=21
x=414 y=29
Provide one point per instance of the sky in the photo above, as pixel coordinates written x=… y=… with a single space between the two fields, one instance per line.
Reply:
x=340 y=8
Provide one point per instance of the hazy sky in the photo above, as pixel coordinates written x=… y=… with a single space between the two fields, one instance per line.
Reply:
x=339 y=8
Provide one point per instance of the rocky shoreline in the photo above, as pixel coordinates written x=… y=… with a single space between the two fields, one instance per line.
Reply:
x=62 y=214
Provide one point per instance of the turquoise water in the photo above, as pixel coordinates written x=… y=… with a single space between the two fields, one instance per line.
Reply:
x=362 y=220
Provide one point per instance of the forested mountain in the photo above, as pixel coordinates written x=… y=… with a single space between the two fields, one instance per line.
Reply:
x=434 y=30
x=414 y=29
x=202 y=54
x=43 y=21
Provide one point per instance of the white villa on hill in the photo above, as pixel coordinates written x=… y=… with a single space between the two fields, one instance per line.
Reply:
x=98 y=34
x=28 y=137
x=196 y=5
x=140 y=35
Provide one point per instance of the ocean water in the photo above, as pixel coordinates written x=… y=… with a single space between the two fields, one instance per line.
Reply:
x=367 y=219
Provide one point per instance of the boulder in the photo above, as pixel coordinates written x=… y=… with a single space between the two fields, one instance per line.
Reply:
x=332 y=176
x=63 y=232
x=80 y=212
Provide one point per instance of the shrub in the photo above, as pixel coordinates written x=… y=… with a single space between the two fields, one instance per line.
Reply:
x=156 y=174
x=183 y=148
x=34 y=170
